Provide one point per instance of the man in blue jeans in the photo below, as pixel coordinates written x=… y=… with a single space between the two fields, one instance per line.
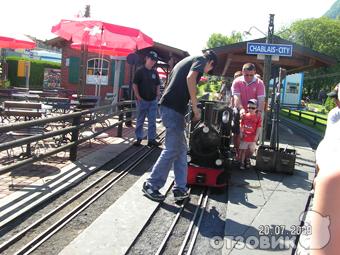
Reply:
x=174 y=103
x=146 y=86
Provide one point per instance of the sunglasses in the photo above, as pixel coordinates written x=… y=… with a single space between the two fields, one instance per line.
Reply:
x=252 y=107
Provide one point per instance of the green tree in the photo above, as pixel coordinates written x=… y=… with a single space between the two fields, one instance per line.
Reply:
x=334 y=11
x=218 y=40
x=322 y=35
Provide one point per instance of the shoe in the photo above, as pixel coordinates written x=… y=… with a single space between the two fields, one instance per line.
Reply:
x=242 y=166
x=154 y=143
x=137 y=142
x=248 y=164
x=154 y=195
x=180 y=195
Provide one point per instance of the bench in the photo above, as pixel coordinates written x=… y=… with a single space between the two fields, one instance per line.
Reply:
x=20 y=110
x=59 y=103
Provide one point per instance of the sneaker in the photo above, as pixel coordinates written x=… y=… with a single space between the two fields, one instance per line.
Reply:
x=154 y=143
x=248 y=164
x=242 y=166
x=154 y=195
x=137 y=142
x=180 y=195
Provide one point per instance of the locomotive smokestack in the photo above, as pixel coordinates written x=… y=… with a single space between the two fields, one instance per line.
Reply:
x=208 y=113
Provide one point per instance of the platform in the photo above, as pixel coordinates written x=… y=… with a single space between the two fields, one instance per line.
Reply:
x=24 y=188
x=257 y=202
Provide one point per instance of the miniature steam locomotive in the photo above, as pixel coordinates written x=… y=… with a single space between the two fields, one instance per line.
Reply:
x=209 y=155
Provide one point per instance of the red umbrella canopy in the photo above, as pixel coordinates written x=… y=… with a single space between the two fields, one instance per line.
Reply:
x=16 y=42
x=102 y=36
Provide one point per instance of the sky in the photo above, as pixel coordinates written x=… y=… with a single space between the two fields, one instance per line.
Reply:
x=183 y=24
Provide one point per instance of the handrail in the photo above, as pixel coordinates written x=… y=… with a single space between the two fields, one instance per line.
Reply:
x=74 y=129
x=301 y=113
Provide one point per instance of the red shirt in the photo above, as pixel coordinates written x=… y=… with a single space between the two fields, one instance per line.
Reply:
x=249 y=124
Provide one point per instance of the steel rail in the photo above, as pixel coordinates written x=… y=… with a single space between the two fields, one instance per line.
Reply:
x=197 y=227
x=11 y=241
x=36 y=242
x=167 y=236
x=18 y=236
x=187 y=236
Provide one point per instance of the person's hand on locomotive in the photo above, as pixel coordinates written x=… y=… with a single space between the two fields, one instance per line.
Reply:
x=196 y=113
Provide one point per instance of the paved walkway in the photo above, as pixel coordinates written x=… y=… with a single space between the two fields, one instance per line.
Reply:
x=263 y=212
x=23 y=188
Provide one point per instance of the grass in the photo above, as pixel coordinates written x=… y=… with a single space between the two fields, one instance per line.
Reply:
x=306 y=120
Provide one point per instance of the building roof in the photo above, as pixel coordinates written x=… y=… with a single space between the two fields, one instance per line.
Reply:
x=165 y=52
x=232 y=57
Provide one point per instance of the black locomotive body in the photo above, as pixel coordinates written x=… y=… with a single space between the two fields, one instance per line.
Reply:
x=209 y=155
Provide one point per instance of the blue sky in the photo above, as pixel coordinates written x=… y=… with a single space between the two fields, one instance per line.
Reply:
x=184 y=24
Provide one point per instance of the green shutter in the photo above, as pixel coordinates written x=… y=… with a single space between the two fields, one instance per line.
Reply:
x=73 y=70
x=112 y=72
x=122 y=73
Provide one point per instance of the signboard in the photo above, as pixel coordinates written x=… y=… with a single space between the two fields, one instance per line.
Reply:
x=285 y=50
x=52 y=78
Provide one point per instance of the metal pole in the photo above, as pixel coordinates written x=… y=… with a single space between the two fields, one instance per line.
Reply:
x=267 y=74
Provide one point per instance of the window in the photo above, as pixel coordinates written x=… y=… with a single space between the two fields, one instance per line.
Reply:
x=95 y=67
x=292 y=87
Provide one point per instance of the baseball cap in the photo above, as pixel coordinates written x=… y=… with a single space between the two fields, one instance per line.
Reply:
x=153 y=55
x=252 y=101
x=334 y=92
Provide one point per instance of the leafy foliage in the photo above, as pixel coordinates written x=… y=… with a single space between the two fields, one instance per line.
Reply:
x=218 y=40
x=334 y=11
x=329 y=104
x=322 y=35
x=36 y=74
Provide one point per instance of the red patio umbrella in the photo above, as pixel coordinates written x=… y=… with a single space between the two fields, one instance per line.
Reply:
x=101 y=36
x=16 y=42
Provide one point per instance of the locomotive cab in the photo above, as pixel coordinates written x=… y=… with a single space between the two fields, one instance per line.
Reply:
x=209 y=154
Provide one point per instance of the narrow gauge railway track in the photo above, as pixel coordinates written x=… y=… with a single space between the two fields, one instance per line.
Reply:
x=188 y=218
x=192 y=231
x=94 y=191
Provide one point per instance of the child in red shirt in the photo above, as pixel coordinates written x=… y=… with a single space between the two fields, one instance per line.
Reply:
x=250 y=126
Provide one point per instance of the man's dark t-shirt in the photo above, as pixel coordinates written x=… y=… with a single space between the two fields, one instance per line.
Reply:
x=147 y=82
x=176 y=95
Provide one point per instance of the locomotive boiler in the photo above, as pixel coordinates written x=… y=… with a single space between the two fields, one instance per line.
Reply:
x=209 y=155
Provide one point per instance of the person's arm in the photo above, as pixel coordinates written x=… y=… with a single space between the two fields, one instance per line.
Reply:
x=136 y=91
x=326 y=222
x=191 y=83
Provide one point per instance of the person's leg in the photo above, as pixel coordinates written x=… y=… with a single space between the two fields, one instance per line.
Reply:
x=171 y=149
x=242 y=158
x=152 y=114
x=141 y=114
x=236 y=132
x=250 y=151
x=181 y=165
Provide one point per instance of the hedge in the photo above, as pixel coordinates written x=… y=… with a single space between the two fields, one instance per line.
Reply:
x=36 y=74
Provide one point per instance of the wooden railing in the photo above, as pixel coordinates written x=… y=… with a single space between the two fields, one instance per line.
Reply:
x=77 y=122
x=303 y=113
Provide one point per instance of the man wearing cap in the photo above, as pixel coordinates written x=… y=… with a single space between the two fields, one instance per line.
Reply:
x=174 y=105
x=146 y=86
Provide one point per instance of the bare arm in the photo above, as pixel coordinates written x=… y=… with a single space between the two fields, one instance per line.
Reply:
x=136 y=91
x=191 y=83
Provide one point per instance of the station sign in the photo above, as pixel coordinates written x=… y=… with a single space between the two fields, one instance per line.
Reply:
x=285 y=50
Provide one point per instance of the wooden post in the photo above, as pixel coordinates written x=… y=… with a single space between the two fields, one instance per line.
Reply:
x=75 y=134
x=120 y=126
